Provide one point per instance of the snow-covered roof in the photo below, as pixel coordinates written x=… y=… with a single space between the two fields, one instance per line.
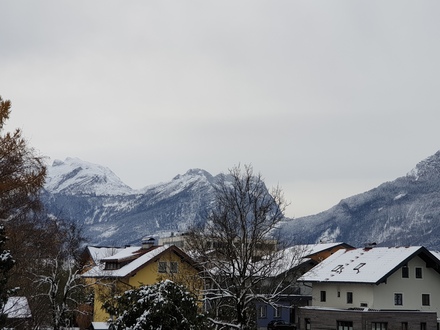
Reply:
x=122 y=254
x=100 y=252
x=99 y=271
x=364 y=265
x=298 y=255
x=436 y=254
x=17 y=308
x=100 y=325
x=310 y=249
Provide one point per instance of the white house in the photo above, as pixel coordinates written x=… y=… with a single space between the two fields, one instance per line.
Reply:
x=397 y=284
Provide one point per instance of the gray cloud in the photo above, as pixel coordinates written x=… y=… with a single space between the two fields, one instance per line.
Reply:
x=328 y=99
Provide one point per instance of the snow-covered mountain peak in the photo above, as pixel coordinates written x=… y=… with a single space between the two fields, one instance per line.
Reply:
x=427 y=169
x=192 y=173
x=74 y=176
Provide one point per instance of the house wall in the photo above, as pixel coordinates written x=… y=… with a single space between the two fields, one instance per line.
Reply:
x=262 y=321
x=105 y=289
x=382 y=296
x=187 y=275
x=412 y=289
x=336 y=295
x=326 y=319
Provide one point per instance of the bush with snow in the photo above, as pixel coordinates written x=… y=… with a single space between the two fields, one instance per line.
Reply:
x=164 y=305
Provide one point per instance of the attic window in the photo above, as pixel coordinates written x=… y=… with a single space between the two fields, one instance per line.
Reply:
x=338 y=268
x=358 y=267
x=173 y=267
x=111 y=265
x=162 y=268
x=405 y=271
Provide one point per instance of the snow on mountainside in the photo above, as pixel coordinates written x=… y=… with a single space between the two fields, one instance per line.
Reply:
x=74 y=176
x=112 y=213
x=405 y=211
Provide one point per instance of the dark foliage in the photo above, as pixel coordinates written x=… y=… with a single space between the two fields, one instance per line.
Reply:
x=164 y=305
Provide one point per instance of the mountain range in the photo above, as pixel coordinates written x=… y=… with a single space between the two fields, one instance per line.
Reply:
x=110 y=212
x=402 y=212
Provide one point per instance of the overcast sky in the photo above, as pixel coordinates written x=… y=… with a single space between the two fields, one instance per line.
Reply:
x=325 y=98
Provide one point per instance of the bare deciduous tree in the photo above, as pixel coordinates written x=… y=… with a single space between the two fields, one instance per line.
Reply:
x=237 y=247
x=47 y=253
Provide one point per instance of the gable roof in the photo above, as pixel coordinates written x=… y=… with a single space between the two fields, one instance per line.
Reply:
x=126 y=254
x=97 y=253
x=137 y=259
x=297 y=256
x=312 y=249
x=367 y=265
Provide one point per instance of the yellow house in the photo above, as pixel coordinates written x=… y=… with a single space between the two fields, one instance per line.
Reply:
x=130 y=267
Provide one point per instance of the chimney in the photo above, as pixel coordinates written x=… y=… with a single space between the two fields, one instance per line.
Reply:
x=148 y=242
x=369 y=246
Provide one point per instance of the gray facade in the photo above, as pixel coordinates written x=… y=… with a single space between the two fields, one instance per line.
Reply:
x=318 y=318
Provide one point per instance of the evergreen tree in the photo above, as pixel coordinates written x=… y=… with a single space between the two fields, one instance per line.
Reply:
x=22 y=176
x=164 y=305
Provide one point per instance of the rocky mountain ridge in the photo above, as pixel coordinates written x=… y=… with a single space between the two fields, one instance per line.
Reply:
x=405 y=211
x=110 y=212
x=402 y=212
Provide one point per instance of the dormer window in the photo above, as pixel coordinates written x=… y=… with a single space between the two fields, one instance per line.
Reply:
x=111 y=265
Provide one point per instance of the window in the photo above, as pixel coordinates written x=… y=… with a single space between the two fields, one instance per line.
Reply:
x=418 y=272
x=307 y=324
x=173 y=267
x=277 y=311
x=111 y=265
x=425 y=299
x=349 y=297
x=404 y=325
x=162 y=268
x=323 y=296
x=405 y=271
x=398 y=299
x=339 y=294
x=262 y=311
x=423 y=326
x=378 y=326
x=344 y=325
